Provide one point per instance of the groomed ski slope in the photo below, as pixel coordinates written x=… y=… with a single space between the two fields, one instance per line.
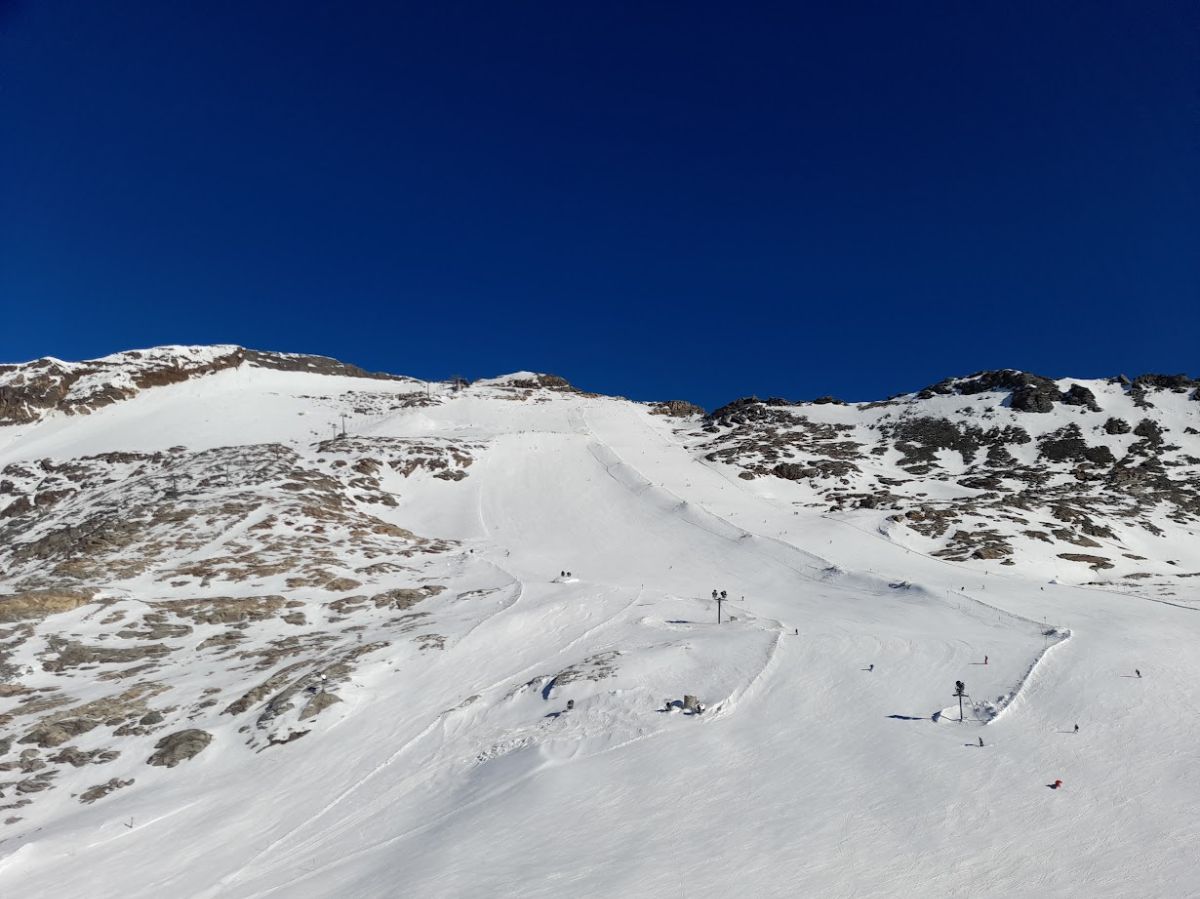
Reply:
x=450 y=774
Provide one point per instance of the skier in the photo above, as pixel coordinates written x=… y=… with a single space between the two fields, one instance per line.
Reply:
x=1057 y=784
x=1137 y=672
x=562 y=574
x=985 y=660
x=981 y=742
x=871 y=667
x=1076 y=728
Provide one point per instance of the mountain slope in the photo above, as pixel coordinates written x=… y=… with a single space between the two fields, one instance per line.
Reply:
x=370 y=643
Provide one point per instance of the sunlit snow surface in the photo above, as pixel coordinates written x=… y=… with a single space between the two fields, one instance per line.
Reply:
x=459 y=772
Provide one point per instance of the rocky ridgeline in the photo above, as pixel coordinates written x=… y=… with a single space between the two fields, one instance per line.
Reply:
x=982 y=467
x=31 y=390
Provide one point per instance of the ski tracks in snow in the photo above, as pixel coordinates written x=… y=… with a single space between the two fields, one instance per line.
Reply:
x=310 y=839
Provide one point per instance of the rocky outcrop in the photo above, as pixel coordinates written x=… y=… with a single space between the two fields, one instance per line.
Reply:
x=677 y=409
x=179 y=747
x=55 y=733
x=1067 y=445
x=542 y=382
x=99 y=791
x=31 y=390
x=1028 y=392
x=1174 y=383
x=1078 y=395
x=37 y=604
x=1096 y=563
x=1034 y=398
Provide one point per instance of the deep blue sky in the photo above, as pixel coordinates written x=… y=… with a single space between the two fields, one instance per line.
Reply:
x=657 y=199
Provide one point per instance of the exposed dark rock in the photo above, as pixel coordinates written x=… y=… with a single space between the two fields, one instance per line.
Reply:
x=792 y=472
x=1034 y=398
x=1116 y=426
x=1067 y=444
x=983 y=381
x=676 y=408
x=1078 y=395
x=72 y=654
x=318 y=704
x=550 y=382
x=1176 y=383
x=91 y=794
x=179 y=747
x=1029 y=392
x=58 y=732
x=1149 y=429
x=1096 y=563
x=36 y=604
x=76 y=758
x=751 y=409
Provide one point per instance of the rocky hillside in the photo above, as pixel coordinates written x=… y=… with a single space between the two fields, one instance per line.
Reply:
x=995 y=467
x=214 y=546
x=30 y=391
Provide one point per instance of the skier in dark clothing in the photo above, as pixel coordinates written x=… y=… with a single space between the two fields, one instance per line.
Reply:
x=981 y=742
x=1137 y=672
x=871 y=667
x=1076 y=728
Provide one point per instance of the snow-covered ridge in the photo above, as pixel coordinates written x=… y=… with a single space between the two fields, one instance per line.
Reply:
x=31 y=390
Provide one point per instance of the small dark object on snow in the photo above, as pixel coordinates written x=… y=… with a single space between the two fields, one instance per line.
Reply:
x=1137 y=672
x=570 y=704
x=985 y=660
x=981 y=741
x=871 y=667
x=1076 y=728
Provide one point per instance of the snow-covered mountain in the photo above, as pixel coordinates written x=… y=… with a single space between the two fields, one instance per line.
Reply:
x=274 y=625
